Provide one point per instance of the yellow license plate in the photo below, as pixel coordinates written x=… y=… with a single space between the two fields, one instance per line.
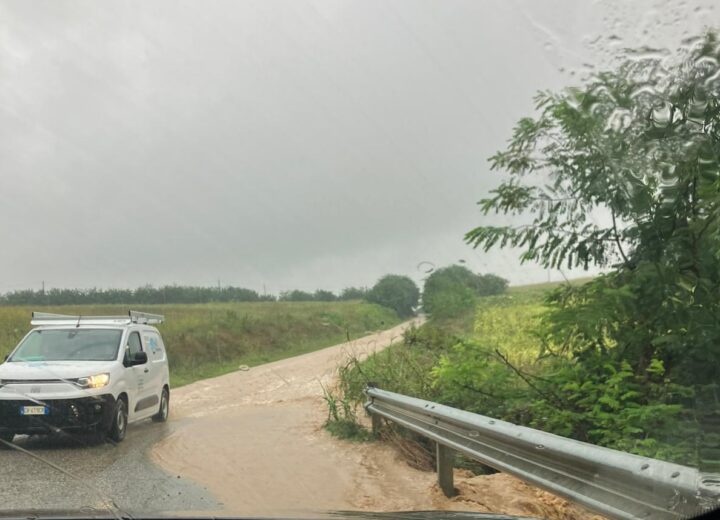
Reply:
x=33 y=410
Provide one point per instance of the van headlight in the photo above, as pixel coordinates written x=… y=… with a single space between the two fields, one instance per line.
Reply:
x=97 y=381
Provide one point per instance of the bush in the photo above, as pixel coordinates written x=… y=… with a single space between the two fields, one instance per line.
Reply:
x=452 y=290
x=324 y=296
x=342 y=420
x=354 y=293
x=490 y=284
x=396 y=292
x=296 y=296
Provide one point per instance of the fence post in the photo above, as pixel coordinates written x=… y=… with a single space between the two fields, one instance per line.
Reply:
x=445 y=459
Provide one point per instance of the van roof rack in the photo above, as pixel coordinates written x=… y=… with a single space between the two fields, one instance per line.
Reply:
x=48 y=318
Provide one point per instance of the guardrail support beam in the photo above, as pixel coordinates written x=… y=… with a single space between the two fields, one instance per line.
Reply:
x=445 y=460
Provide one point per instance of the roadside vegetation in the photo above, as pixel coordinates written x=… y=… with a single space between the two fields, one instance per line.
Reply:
x=629 y=359
x=455 y=289
x=207 y=340
x=396 y=292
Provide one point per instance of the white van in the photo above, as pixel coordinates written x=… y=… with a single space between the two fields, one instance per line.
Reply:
x=96 y=373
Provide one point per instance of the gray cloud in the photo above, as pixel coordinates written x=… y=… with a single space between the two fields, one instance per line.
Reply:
x=294 y=144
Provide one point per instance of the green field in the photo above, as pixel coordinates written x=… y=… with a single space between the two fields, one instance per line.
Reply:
x=207 y=340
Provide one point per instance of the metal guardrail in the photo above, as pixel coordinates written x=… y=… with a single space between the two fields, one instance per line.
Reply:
x=612 y=483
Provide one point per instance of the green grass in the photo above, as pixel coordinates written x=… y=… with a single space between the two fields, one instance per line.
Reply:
x=539 y=290
x=207 y=340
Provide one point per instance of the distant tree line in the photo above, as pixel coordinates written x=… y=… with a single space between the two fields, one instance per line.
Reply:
x=167 y=294
x=447 y=292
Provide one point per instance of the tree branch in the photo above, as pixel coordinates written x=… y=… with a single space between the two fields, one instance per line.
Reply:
x=481 y=392
x=551 y=397
x=617 y=240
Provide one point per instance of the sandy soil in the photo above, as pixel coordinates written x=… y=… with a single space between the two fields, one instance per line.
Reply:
x=255 y=439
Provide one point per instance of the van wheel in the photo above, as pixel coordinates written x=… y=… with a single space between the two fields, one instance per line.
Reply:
x=164 y=410
x=7 y=437
x=118 y=427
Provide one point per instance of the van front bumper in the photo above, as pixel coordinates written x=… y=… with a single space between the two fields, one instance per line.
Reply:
x=82 y=413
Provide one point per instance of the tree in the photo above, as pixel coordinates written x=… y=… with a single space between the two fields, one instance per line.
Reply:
x=624 y=173
x=489 y=284
x=452 y=290
x=354 y=293
x=641 y=143
x=296 y=296
x=324 y=296
x=396 y=292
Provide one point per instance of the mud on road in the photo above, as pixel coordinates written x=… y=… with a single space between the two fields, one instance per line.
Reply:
x=255 y=439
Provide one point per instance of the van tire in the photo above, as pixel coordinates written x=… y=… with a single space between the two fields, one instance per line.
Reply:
x=7 y=437
x=118 y=426
x=164 y=410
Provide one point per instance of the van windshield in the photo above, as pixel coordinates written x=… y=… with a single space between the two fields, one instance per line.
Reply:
x=69 y=345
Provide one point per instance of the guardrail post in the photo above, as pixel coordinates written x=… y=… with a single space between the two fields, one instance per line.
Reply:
x=375 y=424
x=445 y=460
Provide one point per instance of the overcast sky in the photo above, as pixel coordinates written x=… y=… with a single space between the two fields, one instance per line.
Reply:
x=294 y=144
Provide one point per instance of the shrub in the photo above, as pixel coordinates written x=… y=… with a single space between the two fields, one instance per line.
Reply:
x=354 y=293
x=452 y=290
x=396 y=292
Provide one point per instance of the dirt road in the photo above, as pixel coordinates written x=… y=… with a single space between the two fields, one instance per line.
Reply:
x=255 y=440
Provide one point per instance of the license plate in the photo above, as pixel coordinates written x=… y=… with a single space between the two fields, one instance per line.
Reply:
x=34 y=410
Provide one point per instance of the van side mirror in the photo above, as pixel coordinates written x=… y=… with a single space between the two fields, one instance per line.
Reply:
x=139 y=359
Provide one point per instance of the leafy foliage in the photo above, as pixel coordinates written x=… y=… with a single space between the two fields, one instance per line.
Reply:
x=342 y=421
x=405 y=367
x=296 y=296
x=452 y=290
x=354 y=293
x=396 y=292
x=623 y=173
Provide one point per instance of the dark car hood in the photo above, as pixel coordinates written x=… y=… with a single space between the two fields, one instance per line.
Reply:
x=90 y=514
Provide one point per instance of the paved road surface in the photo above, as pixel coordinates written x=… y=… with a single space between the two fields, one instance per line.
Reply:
x=100 y=472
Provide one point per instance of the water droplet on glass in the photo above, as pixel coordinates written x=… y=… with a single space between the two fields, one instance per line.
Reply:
x=619 y=119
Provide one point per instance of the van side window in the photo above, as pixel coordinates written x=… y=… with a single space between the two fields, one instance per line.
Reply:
x=134 y=345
